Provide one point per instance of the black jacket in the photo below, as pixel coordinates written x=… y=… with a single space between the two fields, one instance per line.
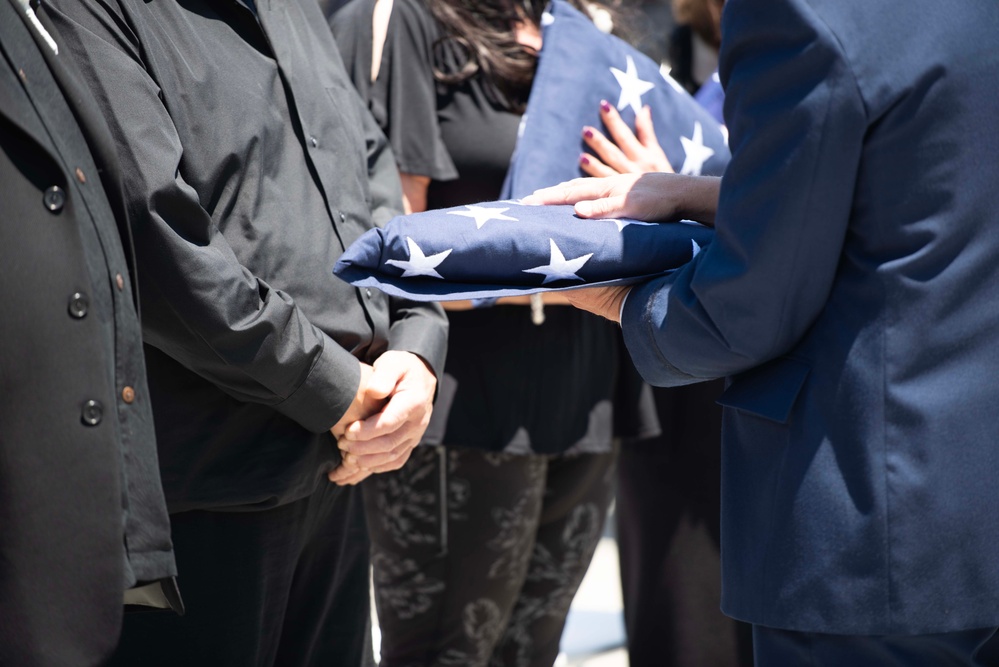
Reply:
x=82 y=513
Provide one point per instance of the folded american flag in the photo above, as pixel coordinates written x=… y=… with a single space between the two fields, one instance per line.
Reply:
x=503 y=248
x=579 y=66
x=497 y=249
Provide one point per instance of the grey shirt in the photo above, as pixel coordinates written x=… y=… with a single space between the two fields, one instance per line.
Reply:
x=250 y=164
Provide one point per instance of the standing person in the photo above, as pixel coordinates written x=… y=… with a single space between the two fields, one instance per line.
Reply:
x=481 y=540
x=83 y=522
x=849 y=294
x=247 y=160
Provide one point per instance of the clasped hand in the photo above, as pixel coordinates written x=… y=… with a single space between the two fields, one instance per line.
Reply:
x=387 y=419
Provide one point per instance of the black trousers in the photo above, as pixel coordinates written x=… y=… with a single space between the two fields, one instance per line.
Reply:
x=285 y=587
x=478 y=555
x=779 y=648
x=668 y=522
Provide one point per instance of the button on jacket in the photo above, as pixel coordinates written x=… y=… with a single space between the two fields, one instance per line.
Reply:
x=247 y=157
x=82 y=513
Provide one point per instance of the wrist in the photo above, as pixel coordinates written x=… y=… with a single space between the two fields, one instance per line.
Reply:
x=698 y=199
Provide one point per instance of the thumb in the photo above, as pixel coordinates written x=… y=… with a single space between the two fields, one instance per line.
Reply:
x=381 y=384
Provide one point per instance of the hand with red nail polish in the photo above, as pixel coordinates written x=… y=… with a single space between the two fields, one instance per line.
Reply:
x=625 y=152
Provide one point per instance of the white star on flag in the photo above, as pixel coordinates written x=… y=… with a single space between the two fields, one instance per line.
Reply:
x=547 y=19
x=482 y=215
x=560 y=268
x=696 y=152
x=696 y=249
x=419 y=264
x=632 y=88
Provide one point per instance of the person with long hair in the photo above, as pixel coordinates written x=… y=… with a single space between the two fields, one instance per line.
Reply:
x=481 y=540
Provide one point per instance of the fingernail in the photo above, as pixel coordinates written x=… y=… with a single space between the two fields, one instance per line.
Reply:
x=604 y=106
x=583 y=159
x=588 y=133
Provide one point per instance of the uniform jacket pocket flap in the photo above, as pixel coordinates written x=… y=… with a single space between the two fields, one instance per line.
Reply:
x=768 y=391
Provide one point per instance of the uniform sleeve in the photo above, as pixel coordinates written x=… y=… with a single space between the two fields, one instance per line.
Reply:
x=201 y=306
x=403 y=99
x=797 y=123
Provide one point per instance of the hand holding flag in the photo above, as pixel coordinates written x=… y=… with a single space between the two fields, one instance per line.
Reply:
x=637 y=196
x=579 y=68
x=625 y=152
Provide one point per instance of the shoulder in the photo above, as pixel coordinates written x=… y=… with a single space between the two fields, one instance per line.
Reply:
x=411 y=18
x=96 y=25
x=413 y=25
x=414 y=15
x=863 y=40
x=354 y=17
x=403 y=30
x=804 y=36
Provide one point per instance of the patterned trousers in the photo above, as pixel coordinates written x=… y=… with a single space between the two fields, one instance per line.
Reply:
x=477 y=555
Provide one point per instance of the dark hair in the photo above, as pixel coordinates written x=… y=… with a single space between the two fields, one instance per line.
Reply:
x=480 y=36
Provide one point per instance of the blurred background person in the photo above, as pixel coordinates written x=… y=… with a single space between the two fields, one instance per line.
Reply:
x=481 y=541
x=693 y=51
x=695 y=41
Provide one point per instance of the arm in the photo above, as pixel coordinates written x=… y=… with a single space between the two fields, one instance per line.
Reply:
x=201 y=305
x=650 y=197
x=798 y=127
